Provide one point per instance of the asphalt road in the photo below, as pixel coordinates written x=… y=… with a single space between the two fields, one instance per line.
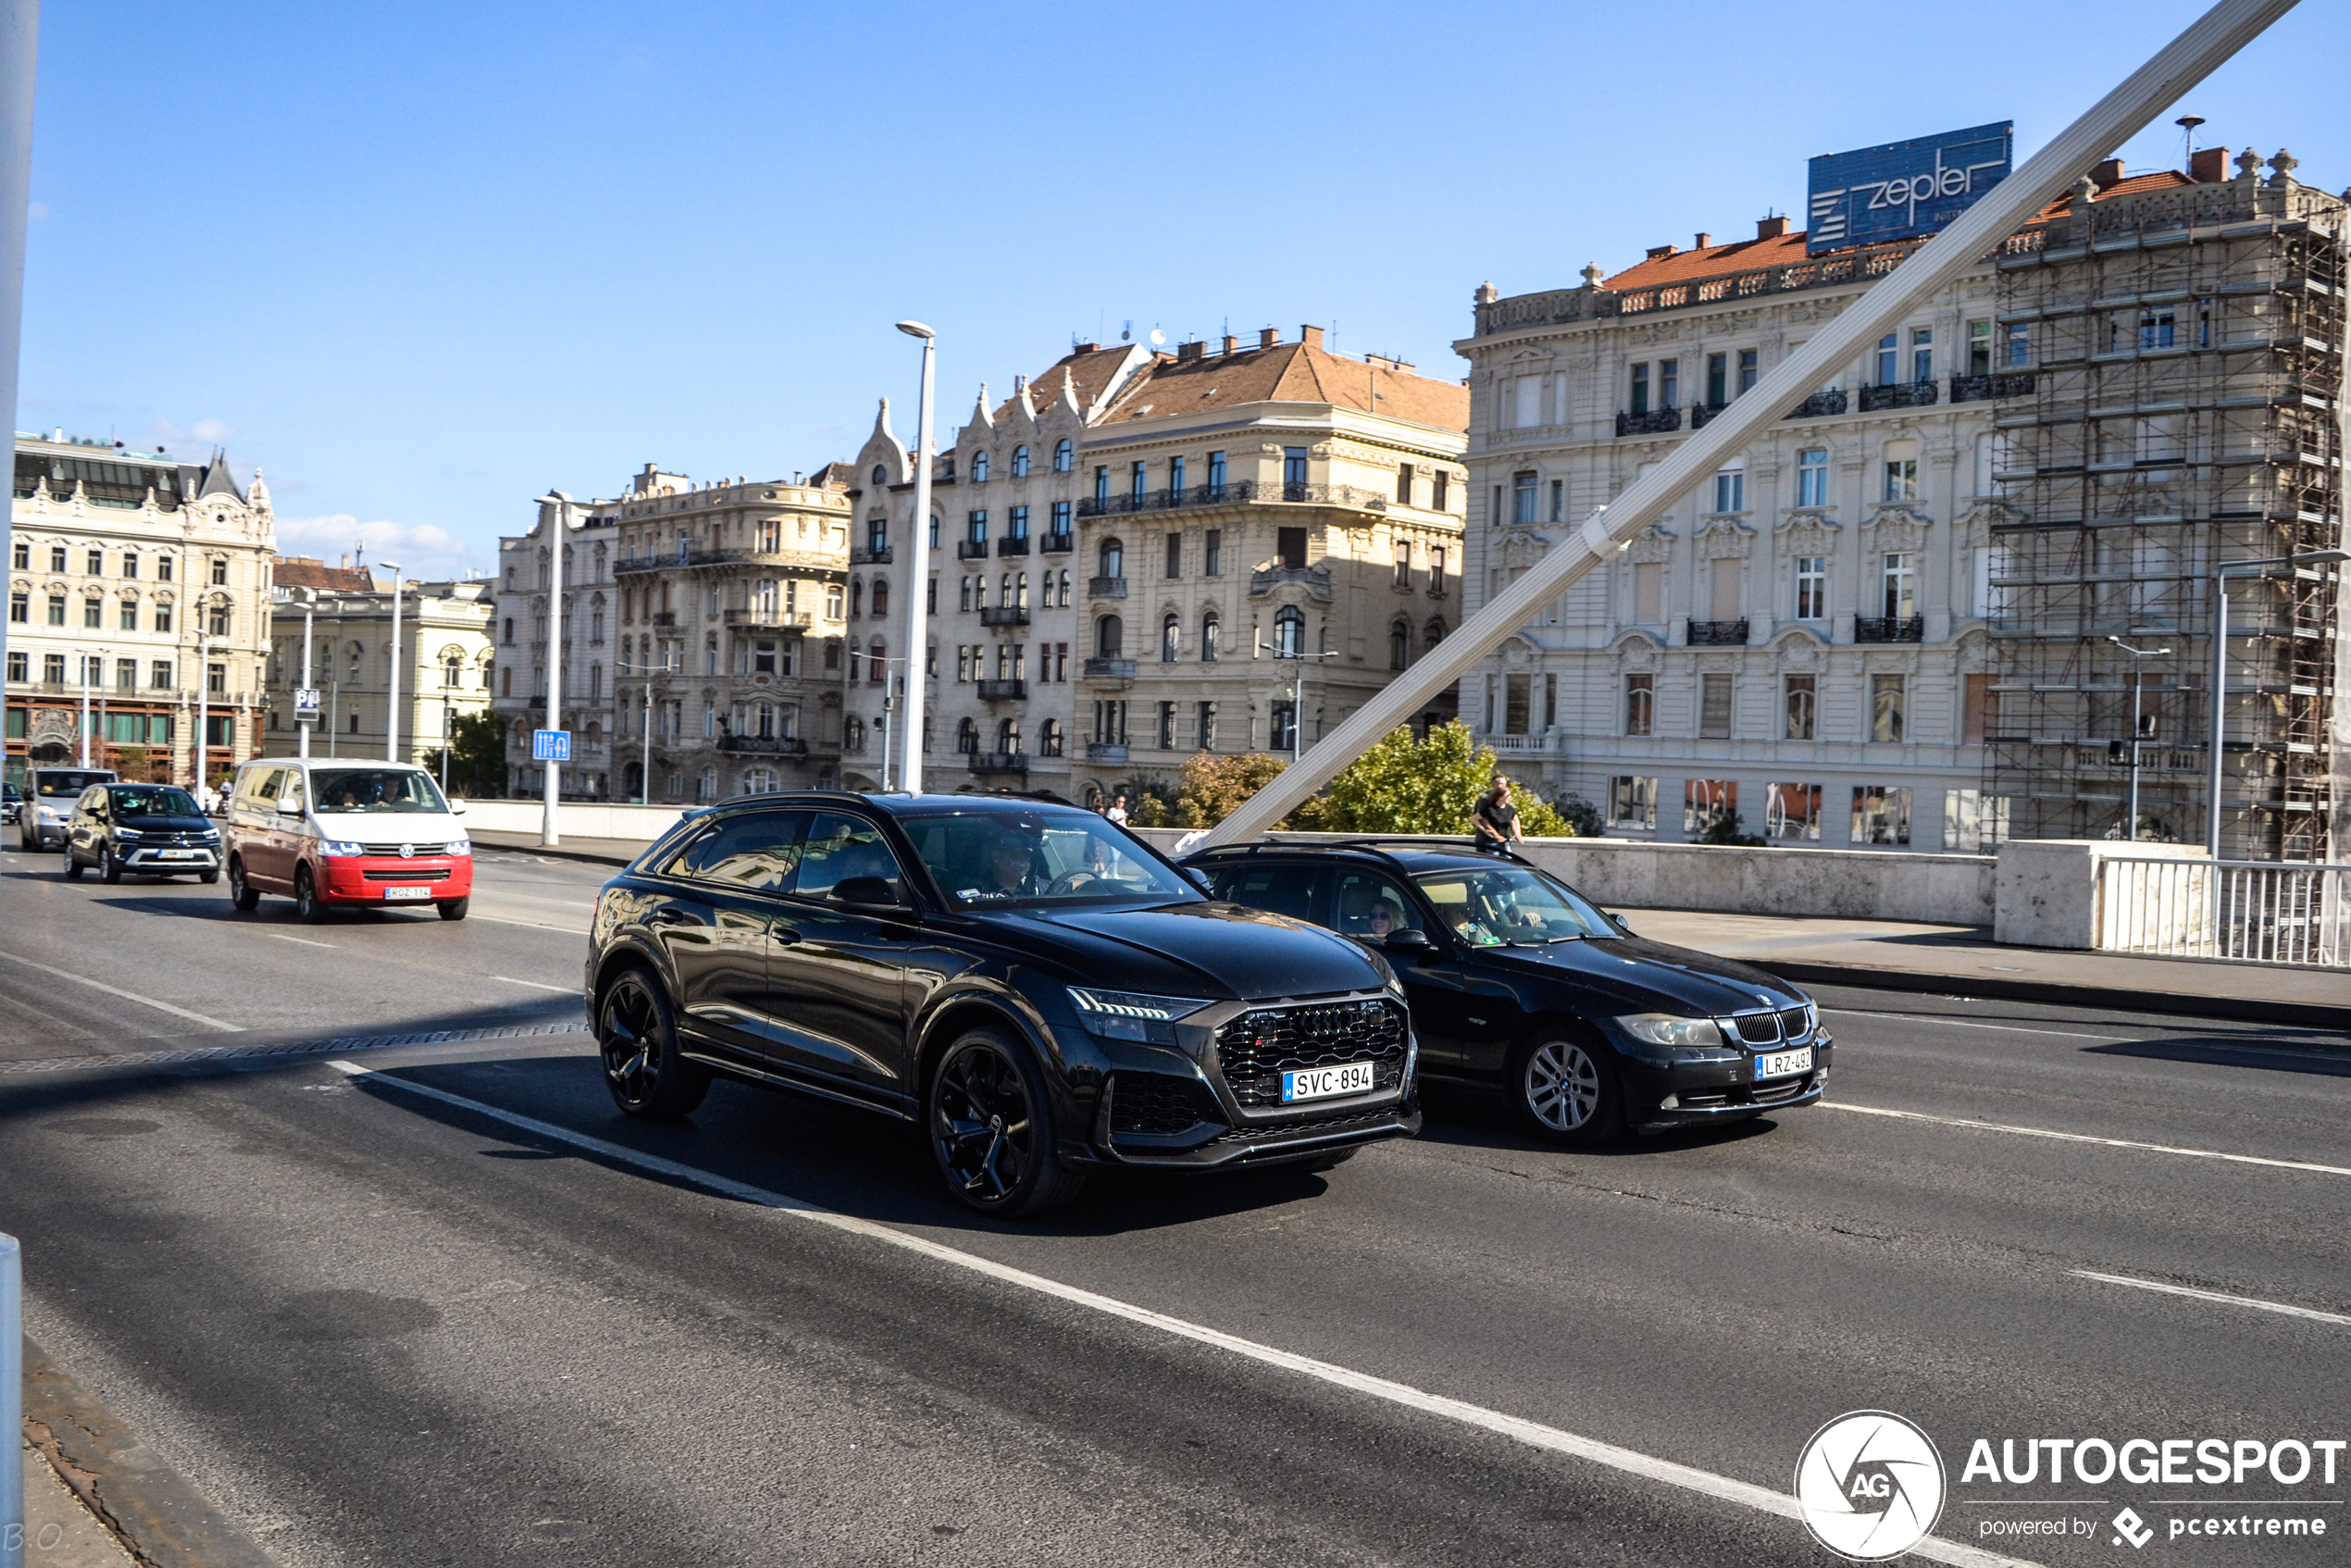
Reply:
x=383 y=1326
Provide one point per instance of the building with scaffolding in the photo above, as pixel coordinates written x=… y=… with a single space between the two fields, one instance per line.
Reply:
x=2176 y=353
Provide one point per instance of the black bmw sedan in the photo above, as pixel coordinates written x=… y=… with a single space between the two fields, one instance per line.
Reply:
x=1041 y=992
x=1519 y=983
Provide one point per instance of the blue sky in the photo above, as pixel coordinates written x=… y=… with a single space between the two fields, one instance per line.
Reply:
x=421 y=262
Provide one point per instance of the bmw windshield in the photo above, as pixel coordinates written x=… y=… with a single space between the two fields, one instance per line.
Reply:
x=1005 y=860
x=1509 y=906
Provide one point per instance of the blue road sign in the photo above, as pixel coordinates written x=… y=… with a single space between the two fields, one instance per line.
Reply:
x=551 y=745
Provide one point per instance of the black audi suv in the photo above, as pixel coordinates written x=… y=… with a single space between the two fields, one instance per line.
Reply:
x=1518 y=983
x=1045 y=995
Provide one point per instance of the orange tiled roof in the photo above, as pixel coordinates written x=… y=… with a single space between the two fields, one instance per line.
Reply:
x=302 y=571
x=1291 y=373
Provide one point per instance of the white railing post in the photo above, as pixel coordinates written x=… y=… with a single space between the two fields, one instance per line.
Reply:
x=11 y=1403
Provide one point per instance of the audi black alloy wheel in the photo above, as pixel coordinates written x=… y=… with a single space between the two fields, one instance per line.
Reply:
x=991 y=1129
x=637 y=1037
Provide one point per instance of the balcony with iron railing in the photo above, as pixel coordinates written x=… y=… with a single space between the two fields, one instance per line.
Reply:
x=1235 y=492
x=1106 y=672
x=1897 y=394
x=664 y=617
x=1820 y=405
x=1718 y=634
x=1004 y=615
x=764 y=745
x=1003 y=690
x=1316 y=581
x=1057 y=544
x=756 y=620
x=1986 y=389
x=971 y=550
x=1104 y=751
x=870 y=555
x=1012 y=546
x=999 y=762
x=1106 y=586
x=1656 y=422
x=1889 y=628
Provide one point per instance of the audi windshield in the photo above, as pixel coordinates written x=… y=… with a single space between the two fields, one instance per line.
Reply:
x=993 y=860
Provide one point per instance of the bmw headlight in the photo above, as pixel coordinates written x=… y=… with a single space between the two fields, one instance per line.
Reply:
x=1130 y=1015
x=458 y=846
x=1674 y=1037
x=338 y=848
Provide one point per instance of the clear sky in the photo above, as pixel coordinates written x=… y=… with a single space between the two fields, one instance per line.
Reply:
x=421 y=262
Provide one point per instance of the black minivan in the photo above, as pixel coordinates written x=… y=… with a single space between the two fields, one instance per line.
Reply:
x=1519 y=983
x=1041 y=992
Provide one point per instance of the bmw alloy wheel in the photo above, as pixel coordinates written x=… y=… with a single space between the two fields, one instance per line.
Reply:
x=1561 y=1085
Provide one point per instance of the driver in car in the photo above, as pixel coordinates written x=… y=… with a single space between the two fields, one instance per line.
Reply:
x=1012 y=869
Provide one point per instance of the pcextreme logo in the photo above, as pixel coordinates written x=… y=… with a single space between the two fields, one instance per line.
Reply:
x=1870 y=1485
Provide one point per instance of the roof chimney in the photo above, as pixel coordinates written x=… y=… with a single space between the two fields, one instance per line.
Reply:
x=1311 y=335
x=1770 y=227
x=1231 y=343
x=1187 y=353
x=1083 y=348
x=2107 y=175
x=1704 y=240
x=2209 y=166
x=1659 y=253
x=1268 y=336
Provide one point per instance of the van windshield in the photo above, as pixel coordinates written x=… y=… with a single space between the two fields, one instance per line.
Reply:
x=58 y=783
x=374 y=790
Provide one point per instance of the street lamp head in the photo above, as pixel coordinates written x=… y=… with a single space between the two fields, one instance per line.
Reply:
x=917 y=330
x=2321 y=557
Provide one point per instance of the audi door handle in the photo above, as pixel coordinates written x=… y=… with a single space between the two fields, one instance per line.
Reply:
x=786 y=938
x=669 y=915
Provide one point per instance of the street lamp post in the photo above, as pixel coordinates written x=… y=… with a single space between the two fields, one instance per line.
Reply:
x=2131 y=832
x=645 y=779
x=305 y=726
x=392 y=704
x=909 y=719
x=552 y=779
x=204 y=706
x=85 y=658
x=2221 y=663
x=1296 y=689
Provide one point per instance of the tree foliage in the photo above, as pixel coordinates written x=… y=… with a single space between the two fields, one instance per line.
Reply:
x=1215 y=784
x=476 y=756
x=1403 y=785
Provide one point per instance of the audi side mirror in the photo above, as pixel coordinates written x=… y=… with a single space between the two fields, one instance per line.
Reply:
x=867 y=892
x=1407 y=939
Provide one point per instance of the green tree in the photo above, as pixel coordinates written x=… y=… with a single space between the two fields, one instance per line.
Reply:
x=1401 y=785
x=476 y=756
x=1215 y=784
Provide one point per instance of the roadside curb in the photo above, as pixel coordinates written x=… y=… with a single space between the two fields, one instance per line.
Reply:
x=2252 y=1009
x=560 y=851
x=159 y=1517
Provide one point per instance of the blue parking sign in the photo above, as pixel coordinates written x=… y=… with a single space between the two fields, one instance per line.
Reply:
x=551 y=745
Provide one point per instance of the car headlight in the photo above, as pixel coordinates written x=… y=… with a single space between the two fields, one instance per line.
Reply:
x=338 y=848
x=1672 y=1031
x=210 y=835
x=130 y=834
x=1130 y=1015
x=458 y=846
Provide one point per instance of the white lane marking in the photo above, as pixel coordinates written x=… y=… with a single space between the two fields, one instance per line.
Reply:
x=534 y=985
x=1963 y=1024
x=279 y=937
x=534 y=924
x=127 y=996
x=2085 y=1137
x=2254 y=1301
x=1762 y=1498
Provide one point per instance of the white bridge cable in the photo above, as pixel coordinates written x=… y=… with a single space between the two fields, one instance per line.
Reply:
x=2154 y=86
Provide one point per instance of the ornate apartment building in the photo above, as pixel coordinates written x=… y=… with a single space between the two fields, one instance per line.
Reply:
x=592 y=661
x=445 y=658
x=731 y=633
x=1816 y=638
x=146 y=582
x=1141 y=556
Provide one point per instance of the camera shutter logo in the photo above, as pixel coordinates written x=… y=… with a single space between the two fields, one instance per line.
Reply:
x=1870 y=1485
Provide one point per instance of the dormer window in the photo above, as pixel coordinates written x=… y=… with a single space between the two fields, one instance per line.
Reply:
x=1020 y=462
x=979 y=468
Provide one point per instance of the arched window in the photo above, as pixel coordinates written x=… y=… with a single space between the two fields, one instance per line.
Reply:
x=979 y=468
x=966 y=735
x=1110 y=638
x=764 y=718
x=881 y=596
x=595 y=734
x=878 y=662
x=1113 y=558
x=1023 y=599
x=1064 y=604
x=852 y=734
x=1211 y=632
x=1290 y=633
x=1399 y=645
x=1008 y=736
x=1171 y=639
x=1064 y=457
x=881 y=476
x=856 y=597
x=453 y=669
x=1434 y=635
x=510 y=632
x=1049 y=738
x=216 y=618
x=1020 y=462
x=506 y=681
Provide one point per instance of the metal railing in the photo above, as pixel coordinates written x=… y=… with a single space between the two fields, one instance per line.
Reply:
x=1654 y=423
x=2246 y=911
x=1232 y=492
x=1003 y=615
x=764 y=745
x=999 y=762
x=1897 y=394
x=1718 y=634
x=1889 y=628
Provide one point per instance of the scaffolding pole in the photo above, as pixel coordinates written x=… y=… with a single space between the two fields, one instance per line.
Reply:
x=2178 y=66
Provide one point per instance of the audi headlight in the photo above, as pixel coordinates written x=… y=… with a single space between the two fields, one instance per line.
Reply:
x=458 y=846
x=338 y=848
x=1688 y=1040
x=1130 y=1015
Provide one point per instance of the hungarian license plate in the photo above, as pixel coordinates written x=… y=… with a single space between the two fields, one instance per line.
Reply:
x=407 y=893
x=177 y=854
x=1783 y=1064
x=1322 y=1083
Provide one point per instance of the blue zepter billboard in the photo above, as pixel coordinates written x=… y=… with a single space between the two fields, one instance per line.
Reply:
x=1903 y=188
